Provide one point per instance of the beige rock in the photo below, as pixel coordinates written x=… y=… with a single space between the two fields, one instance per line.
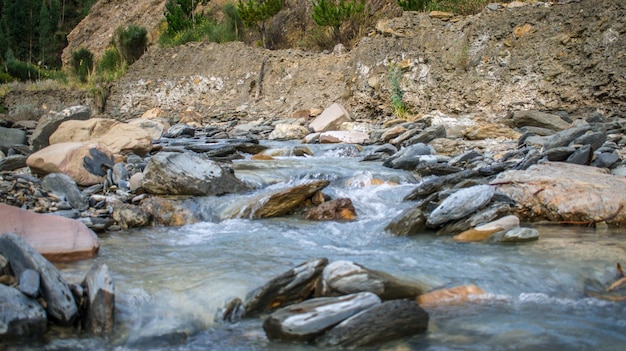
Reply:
x=154 y=128
x=54 y=237
x=154 y=113
x=118 y=137
x=80 y=161
x=490 y=131
x=451 y=296
x=288 y=132
x=393 y=132
x=330 y=119
x=557 y=191
x=484 y=231
x=522 y=30
x=441 y=15
x=346 y=137
x=191 y=118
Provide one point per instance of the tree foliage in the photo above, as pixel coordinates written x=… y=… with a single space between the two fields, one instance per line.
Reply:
x=332 y=13
x=82 y=63
x=179 y=14
x=257 y=12
x=413 y=5
x=131 y=42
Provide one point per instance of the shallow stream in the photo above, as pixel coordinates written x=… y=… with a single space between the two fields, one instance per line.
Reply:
x=171 y=281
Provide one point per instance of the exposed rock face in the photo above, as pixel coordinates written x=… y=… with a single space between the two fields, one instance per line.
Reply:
x=57 y=238
x=566 y=192
x=171 y=173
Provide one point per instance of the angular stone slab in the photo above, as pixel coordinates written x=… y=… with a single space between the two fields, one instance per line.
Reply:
x=345 y=277
x=387 y=321
x=460 y=204
x=292 y=286
x=49 y=123
x=411 y=221
x=20 y=316
x=565 y=192
x=29 y=283
x=61 y=306
x=100 y=310
x=330 y=119
x=65 y=187
x=307 y=320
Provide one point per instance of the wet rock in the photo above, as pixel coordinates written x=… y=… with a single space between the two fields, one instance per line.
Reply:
x=330 y=119
x=307 y=320
x=487 y=214
x=99 y=315
x=232 y=312
x=49 y=123
x=411 y=221
x=557 y=191
x=85 y=163
x=29 y=283
x=515 y=235
x=130 y=216
x=437 y=169
x=409 y=157
x=167 y=212
x=12 y=163
x=274 y=203
x=383 y=322
x=170 y=173
x=460 y=204
x=434 y=184
x=484 y=231
x=288 y=132
x=345 y=277
x=345 y=137
x=21 y=316
x=61 y=306
x=11 y=136
x=120 y=138
x=57 y=238
x=539 y=119
x=64 y=187
x=565 y=137
x=338 y=209
x=292 y=286
x=179 y=130
x=449 y=296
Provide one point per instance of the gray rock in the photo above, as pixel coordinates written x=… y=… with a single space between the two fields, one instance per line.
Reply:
x=434 y=184
x=532 y=157
x=29 y=283
x=565 y=137
x=464 y=158
x=387 y=321
x=61 y=306
x=232 y=312
x=606 y=160
x=427 y=135
x=292 y=286
x=130 y=216
x=49 y=123
x=582 y=156
x=408 y=157
x=539 y=119
x=185 y=174
x=5 y=267
x=594 y=139
x=20 y=316
x=411 y=221
x=13 y=162
x=345 y=277
x=560 y=153
x=307 y=320
x=64 y=187
x=461 y=204
x=179 y=130
x=488 y=214
x=120 y=175
x=520 y=234
x=11 y=136
x=100 y=308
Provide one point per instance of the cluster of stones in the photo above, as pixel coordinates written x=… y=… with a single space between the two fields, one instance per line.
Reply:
x=33 y=294
x=340 y=304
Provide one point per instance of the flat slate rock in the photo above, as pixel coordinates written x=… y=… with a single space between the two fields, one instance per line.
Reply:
x=461 y=204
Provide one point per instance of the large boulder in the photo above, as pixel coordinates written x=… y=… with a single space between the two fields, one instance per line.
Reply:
x=292 y=286
x=20 y=316
x=120 y=138
x=57 y=238
x=85 y=163
x=566 y=192
x=49 y=123
x=330 y=119
x=309 y=319
x=345 y=277
x=60 y=304
x=172 y=173
x=384 y=322
x=533 y=118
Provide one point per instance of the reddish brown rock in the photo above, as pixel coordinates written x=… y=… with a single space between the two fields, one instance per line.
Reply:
x=338 y=209
x=450 y=296
x=54 y=237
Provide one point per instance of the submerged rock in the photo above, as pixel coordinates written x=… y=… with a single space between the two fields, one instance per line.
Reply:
x=484 y=231
x=449 y=296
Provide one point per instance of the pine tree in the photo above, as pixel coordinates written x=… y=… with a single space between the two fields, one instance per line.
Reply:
x=332 y=13
x=257 y=12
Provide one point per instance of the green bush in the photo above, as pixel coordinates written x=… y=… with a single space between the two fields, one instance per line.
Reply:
x=414 y=5
x=22 y=71
x=256 y=13
x=179 y=15
x=332 y=13
x=207 y=27
x=398 y=106
x=110 y=67
x=6 y=78
x=459 y=7
x=82 y=63
x=131 y=42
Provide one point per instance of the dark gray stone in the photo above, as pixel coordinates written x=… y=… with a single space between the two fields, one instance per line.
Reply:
x=464 y=158
x=61 y=306
x=560 y=153
x=488 y=214
x=434 y=184
x=460 y=204
x=11 y=163
x=594 y=139
x=64 y=187
x=411 y=221
x=232 y=312
x=29 y=283
x=427 y=135
x=408 y=156
x=606 y=160
x=309 y=319
x=5 y=267
x=98 y=162
x=20 y=316
x=532 y=157
x=292 y=286
x=564 y=138
x=100 y=308
x=12 y=136
x=539 y=119
x=385 y=322
x=179 y=130
x=582 y=156
x=49 y=123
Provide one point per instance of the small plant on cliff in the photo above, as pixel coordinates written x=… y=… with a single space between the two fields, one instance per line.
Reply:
x=110 y=67
x=414 y=5
x=131 y=42
x=398 y=107
x=256 y=13
x=82 y=64
x=332 y=13
x=179 y=14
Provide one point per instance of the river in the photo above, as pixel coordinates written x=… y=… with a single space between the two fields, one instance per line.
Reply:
x=170 y=281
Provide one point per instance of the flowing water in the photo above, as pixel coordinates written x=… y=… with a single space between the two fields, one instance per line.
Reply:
x=171 y=281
